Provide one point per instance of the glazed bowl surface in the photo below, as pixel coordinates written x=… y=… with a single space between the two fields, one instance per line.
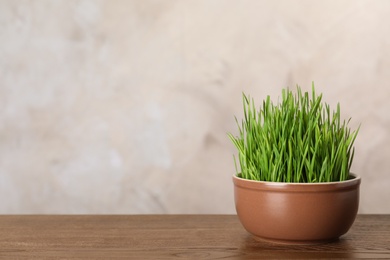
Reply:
x=301 y=213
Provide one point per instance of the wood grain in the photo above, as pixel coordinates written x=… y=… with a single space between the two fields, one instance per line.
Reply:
x=172 y=236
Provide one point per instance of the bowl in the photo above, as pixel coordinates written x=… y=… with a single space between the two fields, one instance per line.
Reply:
x=297 y=213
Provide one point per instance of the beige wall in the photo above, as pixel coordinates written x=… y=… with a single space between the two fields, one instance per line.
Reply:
x=123 y=106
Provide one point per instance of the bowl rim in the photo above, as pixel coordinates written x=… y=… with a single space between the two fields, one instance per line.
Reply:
x=352 y=183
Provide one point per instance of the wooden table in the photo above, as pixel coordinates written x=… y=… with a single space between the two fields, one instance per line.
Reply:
x=172 y=236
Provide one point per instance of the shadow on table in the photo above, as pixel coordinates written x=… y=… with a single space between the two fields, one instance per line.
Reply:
x=260 y=249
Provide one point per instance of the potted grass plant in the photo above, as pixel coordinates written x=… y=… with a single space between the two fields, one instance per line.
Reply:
x=293 y=183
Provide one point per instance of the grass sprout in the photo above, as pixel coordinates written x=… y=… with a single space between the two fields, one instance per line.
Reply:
x=296 y=140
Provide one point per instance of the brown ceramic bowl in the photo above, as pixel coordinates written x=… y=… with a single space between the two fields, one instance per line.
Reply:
x=302 y=213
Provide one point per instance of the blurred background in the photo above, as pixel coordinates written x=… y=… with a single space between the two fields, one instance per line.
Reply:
x=124 y=107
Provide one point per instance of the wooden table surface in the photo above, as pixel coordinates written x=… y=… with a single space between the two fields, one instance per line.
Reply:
x=172 y=236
